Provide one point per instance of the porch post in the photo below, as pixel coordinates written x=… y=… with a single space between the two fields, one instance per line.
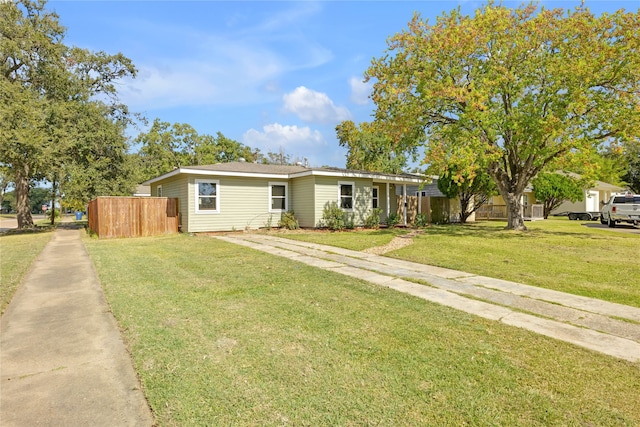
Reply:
x=404 y=202
x=419 y=201
x=388 y=200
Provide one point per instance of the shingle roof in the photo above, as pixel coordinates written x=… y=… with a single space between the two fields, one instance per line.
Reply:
x=248 y=167
x=259 y=169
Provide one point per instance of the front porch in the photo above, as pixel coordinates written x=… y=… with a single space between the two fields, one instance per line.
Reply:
x=530 y=212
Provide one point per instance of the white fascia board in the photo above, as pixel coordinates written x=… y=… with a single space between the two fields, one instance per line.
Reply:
x=215 y=173
x=161 y=177
x=239 y=174
x=347 y=174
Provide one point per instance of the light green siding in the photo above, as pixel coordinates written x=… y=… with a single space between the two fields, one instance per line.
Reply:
x=302 y=201
x=243 y=203
x=327 y=192
x=175 y=187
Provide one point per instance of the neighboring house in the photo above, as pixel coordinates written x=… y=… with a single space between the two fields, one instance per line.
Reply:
x=496 y=208
x=142 y=191
x=241 y=195
x=428 y=199
x=594 y=197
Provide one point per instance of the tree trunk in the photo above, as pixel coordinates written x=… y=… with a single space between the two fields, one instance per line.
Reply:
x=53 y=202
x=465 y=201
x=515 y=218
x=23 y=209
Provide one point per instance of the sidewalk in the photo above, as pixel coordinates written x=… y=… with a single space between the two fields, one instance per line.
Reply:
x=62 y=361
x=608 y=328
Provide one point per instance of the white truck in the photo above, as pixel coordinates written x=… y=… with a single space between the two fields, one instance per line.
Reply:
x=621 y=208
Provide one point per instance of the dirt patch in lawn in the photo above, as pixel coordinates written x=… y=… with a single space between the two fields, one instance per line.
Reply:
x=396 y=243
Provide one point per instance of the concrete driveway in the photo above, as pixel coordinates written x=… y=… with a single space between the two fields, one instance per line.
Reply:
x=619 y=228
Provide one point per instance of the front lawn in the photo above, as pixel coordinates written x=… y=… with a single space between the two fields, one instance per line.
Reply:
x=558 y=254
x=224 y=335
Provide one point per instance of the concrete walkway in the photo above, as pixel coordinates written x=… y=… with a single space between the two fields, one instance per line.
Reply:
x=608 y=328
x=62 y=360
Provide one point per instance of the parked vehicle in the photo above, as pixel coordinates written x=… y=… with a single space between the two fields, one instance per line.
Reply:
x=584 y=216
x=621 y=208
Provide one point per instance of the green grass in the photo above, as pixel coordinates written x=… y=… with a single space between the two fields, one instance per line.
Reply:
x=556 y=254
x=17 y=252
x=356 y=240
x=225 y=335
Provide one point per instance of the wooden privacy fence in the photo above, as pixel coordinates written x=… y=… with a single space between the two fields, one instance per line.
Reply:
x=133 y=216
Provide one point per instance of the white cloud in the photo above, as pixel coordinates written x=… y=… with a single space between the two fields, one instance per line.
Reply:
x=291 y=138
x=240 y=66
x=360 y=90
x=312 y=106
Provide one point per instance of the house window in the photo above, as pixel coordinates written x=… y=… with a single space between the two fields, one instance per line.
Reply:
x=346 y=195
x=159 y=191
x=374 y=197
x=208 y=196
x=278 y=197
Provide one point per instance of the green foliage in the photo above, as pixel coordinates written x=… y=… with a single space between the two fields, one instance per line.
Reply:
x=38 y=197
x=472 y=186
x=169 y=146
x=333 y=217
x=554 y=188
x=373 y=219
x=631 y=154
x=289 y=221
x=349 y=223
x=49 y=106
x=369 y=148
x=51 y=212
x=421 y=220
x=392 y=220
x=514 y=89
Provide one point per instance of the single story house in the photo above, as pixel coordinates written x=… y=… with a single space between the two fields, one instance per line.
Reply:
x=594 y=197
x=142 y=191
x=243 y=195
x=496 y=207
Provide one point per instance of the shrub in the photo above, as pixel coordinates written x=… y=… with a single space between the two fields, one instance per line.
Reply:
x=421 y=220
x=373 y=220
x=289 y=221
x=269 y=222
x=392 y=220
x=57 y=213
x=348 y=223
x=333 y=217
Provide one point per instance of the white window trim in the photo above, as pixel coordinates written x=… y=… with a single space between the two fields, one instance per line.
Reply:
x=197 y=196
x=377 y=188
x=353 y=195
x=286 y=196
x=159 y=191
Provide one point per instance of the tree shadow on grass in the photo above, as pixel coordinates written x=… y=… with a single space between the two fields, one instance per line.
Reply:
x=497 y=231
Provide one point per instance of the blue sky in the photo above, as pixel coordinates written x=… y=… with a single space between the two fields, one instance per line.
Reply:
x=271 y=75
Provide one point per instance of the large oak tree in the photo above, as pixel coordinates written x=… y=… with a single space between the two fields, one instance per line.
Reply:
x=511 y=89
x=49 y=96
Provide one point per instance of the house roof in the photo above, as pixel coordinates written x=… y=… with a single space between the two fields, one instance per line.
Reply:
x=142 y=190
x=597 y=185
x=258 y=170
